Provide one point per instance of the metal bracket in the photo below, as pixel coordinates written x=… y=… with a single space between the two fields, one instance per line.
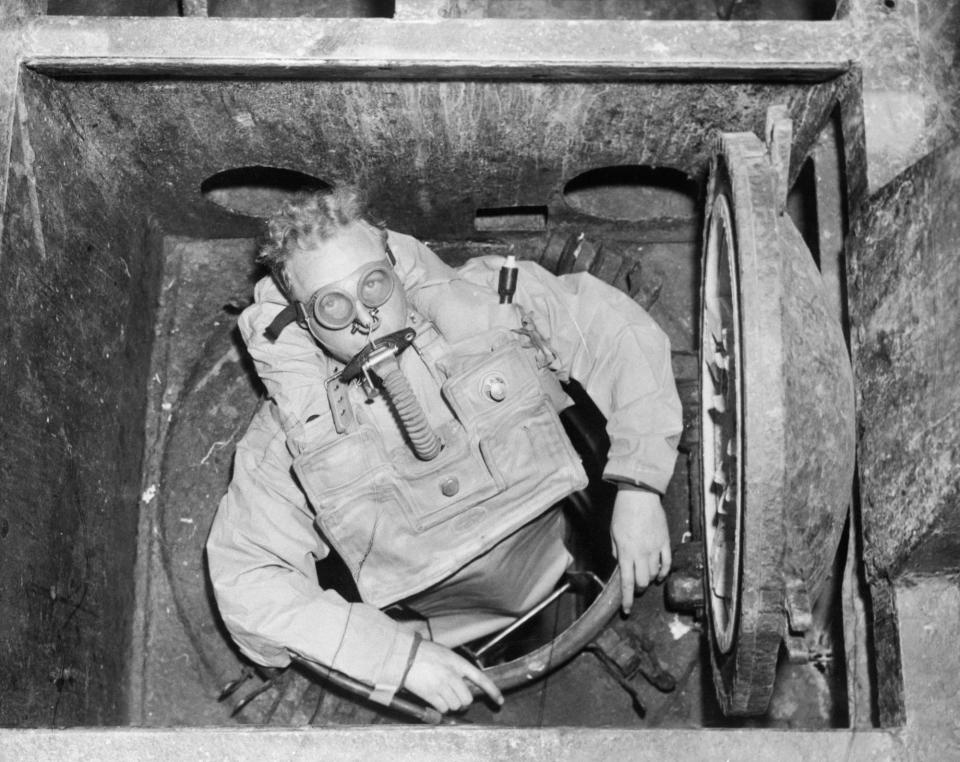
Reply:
x=634 y=654
x=625 y=657
x=684 y=586
x=779 y=139
x=390 y=345
x=797 y=601
x=800 y=650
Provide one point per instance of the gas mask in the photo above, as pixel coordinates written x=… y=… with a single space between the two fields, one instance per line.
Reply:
x=334 y=315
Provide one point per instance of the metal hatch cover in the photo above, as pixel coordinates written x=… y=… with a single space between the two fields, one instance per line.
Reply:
x=777 y=419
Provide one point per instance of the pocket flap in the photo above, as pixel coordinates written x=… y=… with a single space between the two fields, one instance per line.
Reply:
x=340 y=463
x=493 y=386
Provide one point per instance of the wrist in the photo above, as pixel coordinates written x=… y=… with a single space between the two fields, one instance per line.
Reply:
x=634 y=500
x=636 y=487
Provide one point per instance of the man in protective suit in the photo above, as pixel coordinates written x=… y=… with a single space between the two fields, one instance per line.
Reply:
x=412 y=427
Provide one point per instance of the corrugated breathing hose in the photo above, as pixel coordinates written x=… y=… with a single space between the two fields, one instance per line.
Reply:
x=425 y=442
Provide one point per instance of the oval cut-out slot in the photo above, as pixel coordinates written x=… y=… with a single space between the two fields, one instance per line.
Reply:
x=633 y=193
x=257 y=191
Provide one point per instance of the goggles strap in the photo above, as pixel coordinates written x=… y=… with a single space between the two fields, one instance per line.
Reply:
x=291 y=313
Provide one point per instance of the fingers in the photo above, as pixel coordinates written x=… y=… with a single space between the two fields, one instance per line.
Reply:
x=637 y=574
x=666 y=559
x=445 y=697
x=455 y=695
x=627 y=584
x=442 y=679
x=640 y=540
x=437 y=701
x=462 y=694
x=653 y=566
x=484 y=683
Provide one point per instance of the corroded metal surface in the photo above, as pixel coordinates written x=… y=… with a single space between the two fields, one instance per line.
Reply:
x=929 y=612
x=76 y=312
x=905 y=310
x=449 y=47
x=940 y=53
x=793 y=440
x=214 y=407
x=883 y=38
x=894 y=96
x=13 y=17
x=431 y=153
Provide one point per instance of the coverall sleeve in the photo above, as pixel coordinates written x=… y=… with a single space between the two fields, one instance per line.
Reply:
x=262 y=551
x=609 y=344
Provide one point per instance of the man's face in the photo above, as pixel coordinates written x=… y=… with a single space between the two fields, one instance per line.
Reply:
x=346 y=265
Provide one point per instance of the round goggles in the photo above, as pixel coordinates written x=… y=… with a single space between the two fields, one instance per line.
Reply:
x=334 y=307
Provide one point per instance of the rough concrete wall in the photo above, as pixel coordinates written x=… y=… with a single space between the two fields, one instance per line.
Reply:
x=894 y=87
x=905 y=308
x=930 y=619
x=909 y=51
x=12 y=18
x=459 y=744
x=112 y=7
x=430 y=153
x=940 y=51
x=77 y=286
x=593 y=9
x=654 y=10
x=317 y=8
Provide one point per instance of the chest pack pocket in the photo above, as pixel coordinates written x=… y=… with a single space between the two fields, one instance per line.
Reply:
x=500 y=397
x=400 y=524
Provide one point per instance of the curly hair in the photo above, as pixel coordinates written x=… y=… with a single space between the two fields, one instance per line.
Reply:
x=306 y=220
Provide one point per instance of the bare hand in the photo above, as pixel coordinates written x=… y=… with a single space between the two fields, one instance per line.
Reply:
x=440 y=677
x=641 y=541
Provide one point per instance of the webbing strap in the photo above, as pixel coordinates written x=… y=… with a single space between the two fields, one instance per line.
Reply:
x=338 y=397
x=429 y=344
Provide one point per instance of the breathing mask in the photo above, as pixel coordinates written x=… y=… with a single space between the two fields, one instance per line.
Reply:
x=353 y=302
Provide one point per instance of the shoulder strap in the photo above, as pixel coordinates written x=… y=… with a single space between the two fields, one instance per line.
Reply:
x=340 y=408
x=429 y=344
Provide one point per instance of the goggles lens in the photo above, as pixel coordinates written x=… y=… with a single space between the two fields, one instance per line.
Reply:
x=375 y=287
x=335 y=308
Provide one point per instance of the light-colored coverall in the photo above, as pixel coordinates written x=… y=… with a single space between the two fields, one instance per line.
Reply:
x=263 y=545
